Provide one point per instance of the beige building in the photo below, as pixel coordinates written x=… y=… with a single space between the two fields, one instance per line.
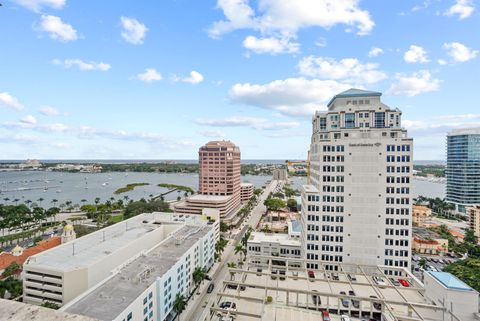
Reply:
x=473 y=213
x=218 y=181
x=246 y=192
x=427 y=242
x=280 y=174
x=421 y=214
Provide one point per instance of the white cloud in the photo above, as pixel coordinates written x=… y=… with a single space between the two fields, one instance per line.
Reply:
x=57 y=29
x=462 y=8
x=292 y=96
x=9 y=101
x=442 y=62
x=349 y=69
x=82 y=65
x=252 y=122
x=289 y=16
x=415 y=54
x=212 y=133
x=375 y=52
x=37 y=5
x=134 y=31
x=194 y=78
x=459 y=52
x=414 y=84
x=29 y=120
x=49 y=111
x=149 y=75
x=270 y=45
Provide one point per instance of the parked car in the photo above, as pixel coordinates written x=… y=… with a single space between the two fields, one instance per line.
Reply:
x=259 y=271
x=325 y=315
x=210 y=288
x=274 y=274
x=344 y=301
x=311 y=274
x=295 y=275
x=404 y=282
x=282 y=274
x=207 y=277
x=344 y=317
x=335 y=277
x=316 y=298
x=376 y=305
x=379 y=281
x=227 y=305
x=395 y=282
x=352 y=278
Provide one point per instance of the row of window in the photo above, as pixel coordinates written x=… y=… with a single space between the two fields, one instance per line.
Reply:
x=403 y=158
x=401 y=221
x=398 y=232
x=333 y=189
x=399 y=190
x=399 y=200
x=338 y=168
x=338 y=179
x=399 y=263
x=399 y=169
x=397 y=211
x=328 y=198
x=398 y=180
x=399 y=148
x=393 y=242
x=338 y=158
x=333 y=148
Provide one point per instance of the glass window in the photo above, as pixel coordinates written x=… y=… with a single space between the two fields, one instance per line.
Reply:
x=379 y=119
x=349 y=120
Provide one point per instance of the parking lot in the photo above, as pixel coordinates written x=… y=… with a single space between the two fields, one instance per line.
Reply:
x=434 y=263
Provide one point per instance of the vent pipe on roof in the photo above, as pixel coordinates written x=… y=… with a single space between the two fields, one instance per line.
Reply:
x=73 y=248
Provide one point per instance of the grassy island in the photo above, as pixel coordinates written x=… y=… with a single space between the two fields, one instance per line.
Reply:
x=177 y=187
x=129 y=187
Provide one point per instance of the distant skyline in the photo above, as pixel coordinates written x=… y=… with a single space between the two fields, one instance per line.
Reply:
x=156 y=80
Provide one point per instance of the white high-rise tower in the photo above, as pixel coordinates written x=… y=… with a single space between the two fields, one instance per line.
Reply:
x=358 y=206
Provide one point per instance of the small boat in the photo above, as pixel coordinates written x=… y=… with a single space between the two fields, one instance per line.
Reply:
x=58 y=191
x=105 y=184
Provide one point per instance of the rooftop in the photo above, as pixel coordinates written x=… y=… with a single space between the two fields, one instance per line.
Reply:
x=450 y=281
x=465 y=131
x=209 y=198
x=283 y=239
x=354 y=92
x=113 y=296
x=86 y=250
x=423 y=233
x=296 y=226
x=310 y=189
x=7 y=258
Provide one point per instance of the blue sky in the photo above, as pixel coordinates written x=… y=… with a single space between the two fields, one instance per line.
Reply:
x=157 y=79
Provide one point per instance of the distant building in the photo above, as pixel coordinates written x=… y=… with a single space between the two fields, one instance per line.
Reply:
x=421 y=214
x=118 y=271
x=280 y=174
x=297 y=167
x=219 y=181
x=425 y=241
x=246 y=192
x=358 y=208
x=474 y=219
x=463 y=168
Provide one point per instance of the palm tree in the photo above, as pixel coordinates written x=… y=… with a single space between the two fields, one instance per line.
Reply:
x=239 y=249
x=97 y=200
x=422 y=263
x=179 y=304
x=28 y=202
x=54 y=202
x=198 y=275
x=16 y=201
x=232 y=265
x=40 y=200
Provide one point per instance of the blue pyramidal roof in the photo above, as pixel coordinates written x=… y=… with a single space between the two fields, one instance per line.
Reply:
x=354 y=92
x=450 y=281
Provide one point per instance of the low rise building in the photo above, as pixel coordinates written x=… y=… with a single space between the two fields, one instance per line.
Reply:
x=456 y=297
x=225 y=204
x=273 y=244
x=421 y=214
x=246 y=192
x=79 y=267
x=474 y=219
x=425 y=241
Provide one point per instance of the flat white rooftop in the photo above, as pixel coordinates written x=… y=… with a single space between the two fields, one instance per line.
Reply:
x=209 y=198
x=465 y=131
x=310 y=189
x=114 y=295
x=284 y=239
x=86 y=250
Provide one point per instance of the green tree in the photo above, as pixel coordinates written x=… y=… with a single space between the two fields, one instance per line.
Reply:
x=470 y=236
x=292 y=204
x=422 y=263
x=50 y=305
x=179 y=304
x=274 y=204
x=10 y=269
x=142 y=206
x=467 y=270
x=223 y=227
x=198 y=275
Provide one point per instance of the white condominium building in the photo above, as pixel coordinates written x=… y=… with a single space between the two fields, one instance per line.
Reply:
x=358 y=207
x=129 y=271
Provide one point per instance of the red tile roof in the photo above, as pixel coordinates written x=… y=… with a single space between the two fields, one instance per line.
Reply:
x=7 y=258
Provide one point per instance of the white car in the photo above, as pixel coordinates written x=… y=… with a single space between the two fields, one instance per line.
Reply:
x=379 y=281
x=344 y=317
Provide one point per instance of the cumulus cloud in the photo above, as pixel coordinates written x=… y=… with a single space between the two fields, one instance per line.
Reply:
x=288 y=16
x=30 y=120
x=10 y=101
x=134 y=31
x=375 y=52
x=349 y=69
x=38 y=5
x=459 y=52
x=82 y=65
x=49 y=111
x=18 y=138
x=212 y=133
x=252 y=122
x=149 y=75
x=57 y=29
x=292 y=96
x=411 y=85
x=270 y=45
x=462 y=8
x=194 y=78
x=415 y=54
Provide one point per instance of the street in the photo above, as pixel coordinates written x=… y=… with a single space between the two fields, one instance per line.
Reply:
x=198 y=307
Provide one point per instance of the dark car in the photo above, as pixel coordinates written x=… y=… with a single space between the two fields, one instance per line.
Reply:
x=376 y=305
x=210 y=288
x=207 y=277
x=316 y=298
x=345 y=302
